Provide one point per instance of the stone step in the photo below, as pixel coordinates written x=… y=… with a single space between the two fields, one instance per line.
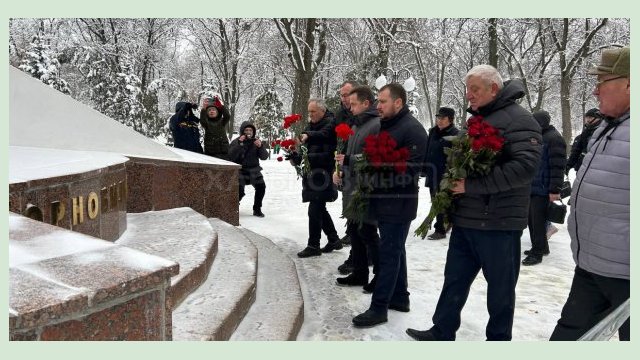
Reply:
x=181 y=235
x=214 y=310
x=278 y=311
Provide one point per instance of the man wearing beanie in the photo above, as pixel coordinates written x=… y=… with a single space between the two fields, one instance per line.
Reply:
x=436 y=161
x=592 y=120
x=214 y=118
x=599 y=219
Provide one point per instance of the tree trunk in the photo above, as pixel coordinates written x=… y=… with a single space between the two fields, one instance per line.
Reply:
x=493 y=42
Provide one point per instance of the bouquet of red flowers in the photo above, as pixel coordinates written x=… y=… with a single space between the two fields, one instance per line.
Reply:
x=380 y=157
x=470 y=155
x=343 y=132
x=289 y=146
x=290 y=120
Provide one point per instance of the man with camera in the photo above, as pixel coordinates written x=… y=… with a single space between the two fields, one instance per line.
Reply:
x=184 y=128
x=247 y=150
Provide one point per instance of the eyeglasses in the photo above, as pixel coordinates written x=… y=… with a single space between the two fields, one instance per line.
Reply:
x=600 y=82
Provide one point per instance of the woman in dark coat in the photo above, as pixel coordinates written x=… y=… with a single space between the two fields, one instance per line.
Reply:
x=214 y=118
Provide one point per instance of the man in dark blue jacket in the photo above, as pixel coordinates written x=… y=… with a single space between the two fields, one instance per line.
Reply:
x=545 y=187
x=184 y=128
x=490 y=211
x=247 y=150
x=436 y=161
x=394 y=206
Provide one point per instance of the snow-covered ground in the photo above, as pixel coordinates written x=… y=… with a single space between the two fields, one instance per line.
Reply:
x=541 y=291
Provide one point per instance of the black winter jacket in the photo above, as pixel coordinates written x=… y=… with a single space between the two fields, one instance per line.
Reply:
x=579 y=146
x=550 y=174
x=500 y=200
x=398 y=203
x=184 y=128
x=321 y=145
x=344 y=115
x=246 y=153
x=435 y=159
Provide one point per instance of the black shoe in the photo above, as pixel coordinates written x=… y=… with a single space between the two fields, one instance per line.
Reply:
x=532 y=260
x=352 y=280
x=421 y=335
x=399 y=307
x=258 y=213
x=528 y=252
x=346 y=240
x=370 y=286
x=309 y=251
x=369 y=319
x=336 y=245
x=346 y=268
x=436 y=235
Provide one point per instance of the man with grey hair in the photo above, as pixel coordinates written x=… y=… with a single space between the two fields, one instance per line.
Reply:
x=490 y=211
x=600 y=216
x=317 y=185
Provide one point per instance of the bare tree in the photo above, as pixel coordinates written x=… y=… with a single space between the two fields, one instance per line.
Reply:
x=306 y=42
x=571 y=57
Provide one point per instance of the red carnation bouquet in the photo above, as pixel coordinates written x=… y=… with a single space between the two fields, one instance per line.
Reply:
x=290 y=120
x=290 y=146
x=380 y=159
x=470 y=155
x=343 y=132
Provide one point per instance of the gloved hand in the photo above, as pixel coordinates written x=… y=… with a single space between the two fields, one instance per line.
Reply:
x=217 y=103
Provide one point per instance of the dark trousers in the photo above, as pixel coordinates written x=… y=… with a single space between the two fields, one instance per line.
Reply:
x=320 y=221
x=391 y=284
x=538 y=224
x=497 y=254
x=364 y=245
x=439 y=225
x=257 y=181
x=592 y=297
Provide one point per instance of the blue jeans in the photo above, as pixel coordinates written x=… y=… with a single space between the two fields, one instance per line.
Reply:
x=497 y=254
x=391 y=283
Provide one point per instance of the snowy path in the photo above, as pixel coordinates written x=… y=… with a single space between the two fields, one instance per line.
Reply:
x=541 y=291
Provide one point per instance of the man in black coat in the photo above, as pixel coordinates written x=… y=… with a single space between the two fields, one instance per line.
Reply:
x=184 y=128
x=344 y=114
x=592 y=120
x=545 y=187
x=490 y=212
x=436 y=161
x=247 y=150
x=394 y=204
x=317 y=186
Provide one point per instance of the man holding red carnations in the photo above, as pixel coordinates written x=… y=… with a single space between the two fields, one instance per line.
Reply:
x=319 y=138
x=394 y=199
x=490 y=211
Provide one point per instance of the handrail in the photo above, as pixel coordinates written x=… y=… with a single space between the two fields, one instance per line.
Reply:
x=607 y=327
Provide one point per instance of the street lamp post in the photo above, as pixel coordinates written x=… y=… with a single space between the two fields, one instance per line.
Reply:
x=396 y=76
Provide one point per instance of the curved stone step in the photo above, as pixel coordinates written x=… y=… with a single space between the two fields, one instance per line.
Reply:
x=181 y=235
x=278 y=312
x=215 y=309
